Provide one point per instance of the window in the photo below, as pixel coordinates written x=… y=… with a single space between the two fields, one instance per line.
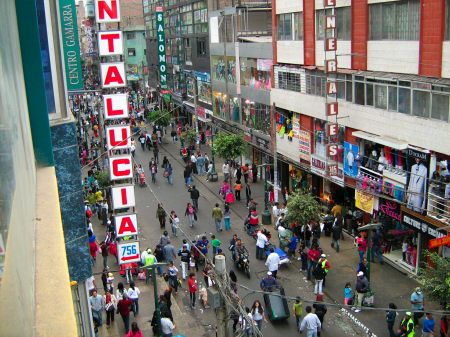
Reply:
x=421 y=103
x=359 y=93
x=288 y=80
x=343 y=23
x=447 y=20
x=188 y=49
x=131 y=36
x=315 y=83
x=404 y=100
x=145 y=51
x=285 y=27
x=381 y=97
x=440 y=107
x=131 y=52
x=399 y=20
x=201 y=47
x=298 y=26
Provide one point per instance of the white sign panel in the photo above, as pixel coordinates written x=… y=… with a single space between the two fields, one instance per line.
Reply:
x=122 y=196
x=120 y=167
x=118 y=137
x=128 y=252
x=107 y=11
x=110 y=43
x=126 y=224
x=113 y=75
x=115 y=106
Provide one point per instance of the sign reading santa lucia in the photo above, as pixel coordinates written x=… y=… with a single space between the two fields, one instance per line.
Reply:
x=110 y=43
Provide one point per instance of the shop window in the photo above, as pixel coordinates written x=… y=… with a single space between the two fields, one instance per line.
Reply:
x=131 y=36
x=204 y=91
x=343 y=23
x=380 y=97
x=255 y=115
x=256 y=73
x=392 y=98
x=285 y=27
x=298 y=26
x=201 y=47
x=404 y=100
x=440 y=107
x=220 y=105
x=369 y=94
x=131 y=52
x=398 y=20
x=231 y=70
x=421 y=103
x=218 y=68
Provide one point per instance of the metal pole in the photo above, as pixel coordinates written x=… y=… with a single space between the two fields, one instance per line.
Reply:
x=212 y=150
x=221 y=312
x=197 y=142
x=275 y=154
x=369 y=253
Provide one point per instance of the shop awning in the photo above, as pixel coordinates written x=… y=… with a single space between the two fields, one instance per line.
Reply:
x=383 y=140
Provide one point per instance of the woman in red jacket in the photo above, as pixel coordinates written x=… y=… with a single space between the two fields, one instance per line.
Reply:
x=192 y=285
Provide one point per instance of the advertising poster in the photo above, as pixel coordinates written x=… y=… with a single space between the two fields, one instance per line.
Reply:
x=350 y=164
x=304 y=138
x=364 y=201
x=417 y=167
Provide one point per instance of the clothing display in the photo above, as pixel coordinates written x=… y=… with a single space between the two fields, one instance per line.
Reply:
x=417 y=187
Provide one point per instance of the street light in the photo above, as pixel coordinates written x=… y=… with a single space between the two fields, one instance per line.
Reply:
x=369 y=227
x=266 y=218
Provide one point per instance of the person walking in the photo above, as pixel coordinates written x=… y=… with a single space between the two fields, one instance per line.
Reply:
x=104 y=248
x=428 y=325
x=245 y=172
x=261 y=241
x=217 y=216
x=195 y=195
x=110 y=307
x=391 y=315
x=187 y=175
x=134 y=331
x=191 y=214
x=123 y=308
x=248 y=193
x=97 y=304
x=192 y=285
x=133 y=294
x=169 y=252
x=237 y=190
x=258 y=314
x=407 y=326
x=200 y=165
x=273 y=262
x=227 y=217
x=320 y=310
x=164 y=239
x=168 y=173
x=311 y=323
x=174 y=222
x=325 y=264
x=336 y=233
x=153 y=166
x=297 y=309
x=161 y=215
x=313 y=257
x=185 y=256
x=226 y=171
x=319 y=275
x=172 y=271
x=361 y=242
x=417 y=302
x=167 y=327
x=362 y=287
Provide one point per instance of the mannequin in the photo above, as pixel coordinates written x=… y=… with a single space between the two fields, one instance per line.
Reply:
x=372 y=163
x=382 y=162
x=417 y=187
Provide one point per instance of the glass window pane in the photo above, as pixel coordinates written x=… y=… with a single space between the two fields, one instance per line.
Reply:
x=341 y=89
x=440 y=107
x=359 y=93
x=388 y=13
x=381 y=96
x=369 y=94
x=348 y=91
x=393 y=98
x=404 y=100
x=421 y=103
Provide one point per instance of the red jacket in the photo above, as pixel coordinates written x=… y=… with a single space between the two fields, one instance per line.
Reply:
x=313 y=255
x=192 y=285
x=254 y=219
x=123 y=307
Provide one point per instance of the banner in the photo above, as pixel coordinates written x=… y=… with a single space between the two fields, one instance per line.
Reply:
x=364 y=201
x=161 y=38
x=417 y=167
x=304 y=138
x=351 y=162
x=71 y=47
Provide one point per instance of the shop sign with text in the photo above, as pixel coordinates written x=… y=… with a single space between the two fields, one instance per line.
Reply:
x=161 y=39
x=318 y=166
x=304 y=148
x=418 y=222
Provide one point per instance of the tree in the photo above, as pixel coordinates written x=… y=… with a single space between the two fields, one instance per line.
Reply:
x=102 y=178
x=161 y=118
x=229 y=146
x=189 y=136
x=302 y=208
x=435 y=279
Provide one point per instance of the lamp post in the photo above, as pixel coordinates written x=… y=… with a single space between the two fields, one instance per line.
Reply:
x=266 y=218
x=369 y=227
x=214 y=176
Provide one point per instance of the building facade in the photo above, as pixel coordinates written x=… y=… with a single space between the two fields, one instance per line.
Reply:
x=135 y=55
x=393 y=131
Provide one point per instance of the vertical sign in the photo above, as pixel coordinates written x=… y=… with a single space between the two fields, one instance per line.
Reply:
x=71 y=47
x=161 y=37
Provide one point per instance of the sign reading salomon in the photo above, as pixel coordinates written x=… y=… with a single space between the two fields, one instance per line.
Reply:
x=161 y=37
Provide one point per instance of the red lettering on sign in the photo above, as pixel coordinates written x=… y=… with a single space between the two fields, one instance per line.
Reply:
x=126 y=225
x=109 y=8
x=112 y=137
x=113 y=75
x=121 y=172
x=123 y=195
x=110 y=37
x=110 y=110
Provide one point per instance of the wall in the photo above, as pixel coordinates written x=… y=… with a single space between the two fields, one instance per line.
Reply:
x=393 y=56
x=289 y=6
x=413 y=130
x=344 y=48
x=290 y=52
x=446 y=59
x=288 y=148
x=339 y=3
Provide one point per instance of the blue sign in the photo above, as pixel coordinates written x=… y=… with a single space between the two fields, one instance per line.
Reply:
x=351 y=159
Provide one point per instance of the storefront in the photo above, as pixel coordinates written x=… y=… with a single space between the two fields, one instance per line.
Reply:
x=408 y=236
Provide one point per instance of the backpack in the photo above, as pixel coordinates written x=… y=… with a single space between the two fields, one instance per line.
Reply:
x=319 y=272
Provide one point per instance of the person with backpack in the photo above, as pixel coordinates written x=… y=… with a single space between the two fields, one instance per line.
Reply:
x=195 y=195
x=362 y=287
x=161 y=215
x=319 y=274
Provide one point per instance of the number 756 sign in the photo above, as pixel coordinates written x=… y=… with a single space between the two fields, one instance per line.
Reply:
x=128 y=252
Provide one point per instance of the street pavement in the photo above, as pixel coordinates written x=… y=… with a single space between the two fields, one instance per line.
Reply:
x=388 y=284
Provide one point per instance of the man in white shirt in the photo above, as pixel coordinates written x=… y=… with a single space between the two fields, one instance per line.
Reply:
x=275 y=212
x=167 y=327
x=261 y=241
x=272 y=262
x=226 y=171
x=311 y=323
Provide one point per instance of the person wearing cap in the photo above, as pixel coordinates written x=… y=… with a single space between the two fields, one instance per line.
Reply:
x=269 y=282
x=417 y=301
x=325 y=265
x=407 y=326
x=362 y=287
